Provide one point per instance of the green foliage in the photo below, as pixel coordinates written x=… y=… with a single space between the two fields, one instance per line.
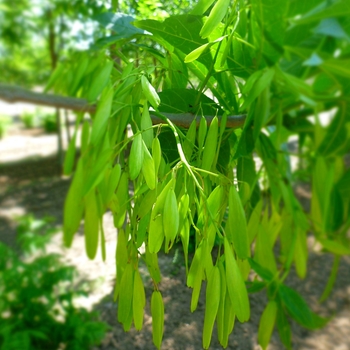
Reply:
x=49 y=122
x=29 y=119
x=39 y=118
x=278 y=63
x=35 y=34
x=4 y=124
x=36 y=296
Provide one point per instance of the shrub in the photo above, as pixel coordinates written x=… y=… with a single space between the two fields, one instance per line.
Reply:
x=36 y=297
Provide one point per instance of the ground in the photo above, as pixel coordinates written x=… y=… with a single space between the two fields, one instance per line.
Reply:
x=31 y=182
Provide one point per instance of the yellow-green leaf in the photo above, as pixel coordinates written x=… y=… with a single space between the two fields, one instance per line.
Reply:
x=146 y=126
x=189 y=142
x=91 y=224
x=267 y=323
x=210 y=145
x=102 y=115
x=85 y=134
x=221 y=310
x=149 y=92
x=217 y=13
x=211 y=305
x=113 y=181
x=170 y=217
x=193 y=55
x=157 y=312
x=152 y=265
x=70 y=156
x=236 y=226
x=148 y=168
x=99 y=82
x=73 y=206
x=201 y=7
x=136 y=157
x=155 y=233
x=125 y=313
x=229 y=321
x=235 y=285
x=139 y=300
x=156 y=154
x=202 y=132
x=121 y=259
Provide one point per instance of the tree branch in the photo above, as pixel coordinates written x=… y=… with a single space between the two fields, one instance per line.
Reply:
x=13 y=94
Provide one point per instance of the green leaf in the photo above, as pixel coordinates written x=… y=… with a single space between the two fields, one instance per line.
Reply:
x=236 y=226
x=96 y=170
x=267 y=323
x=99 y=81
x=337 y=138
x=157 y=312
x=146 y=126
x=148 y=168
x=235 y=285
x=212 y=301
x=299 y=310
x=332 y=279
x=253 y=90
x=201 y=7
x=192 y=56
x=254 y=220
x=181 y=101
x=301 y=252
x=264 y=254
x=217 y=13
x=113 y=181
x=91 y=224
x=85 y=134
x=170 y=217
x=136 y=157
x=260 y=270
x=150 y=92
x=194 y=277
x=334 y=247
x=181 y=31
x=102 y=115
x=139 y=300
x=152 y=265
x=337 y=66
x=125 y=313
x=270 y=27
x=283 y=327
x=209 y=151
x=156 y=228
x=343 y=186
x=70 y=156
x=246 y=173
x=326 y=9
x=73 y=206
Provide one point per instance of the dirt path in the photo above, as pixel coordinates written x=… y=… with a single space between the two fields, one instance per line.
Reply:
x=35 y=186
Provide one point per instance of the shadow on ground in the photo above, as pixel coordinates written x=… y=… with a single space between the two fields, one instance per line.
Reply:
x=30 y=186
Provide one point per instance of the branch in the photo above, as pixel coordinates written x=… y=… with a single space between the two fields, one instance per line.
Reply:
x=13 y=94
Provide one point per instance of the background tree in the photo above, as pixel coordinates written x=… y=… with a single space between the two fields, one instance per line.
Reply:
x=35 y=34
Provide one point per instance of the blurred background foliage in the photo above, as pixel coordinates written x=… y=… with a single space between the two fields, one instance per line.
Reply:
x=36 y=34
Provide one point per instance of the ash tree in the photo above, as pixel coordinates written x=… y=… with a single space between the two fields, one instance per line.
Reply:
x=185 y=106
